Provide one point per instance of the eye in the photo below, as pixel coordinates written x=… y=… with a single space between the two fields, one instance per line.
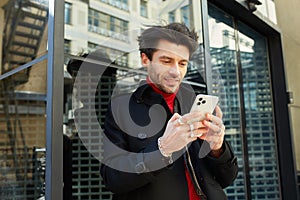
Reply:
x=183 y=64
x=166 y=61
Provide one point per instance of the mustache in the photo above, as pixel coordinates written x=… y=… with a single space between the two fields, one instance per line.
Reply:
x=170 y=77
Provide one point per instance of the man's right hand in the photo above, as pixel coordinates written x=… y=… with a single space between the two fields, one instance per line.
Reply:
x=179 y=133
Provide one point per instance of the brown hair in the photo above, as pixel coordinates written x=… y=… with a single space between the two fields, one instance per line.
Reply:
x=175 y=32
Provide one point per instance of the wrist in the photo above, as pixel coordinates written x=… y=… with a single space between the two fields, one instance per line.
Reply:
x=217 y=153
x=163 y=152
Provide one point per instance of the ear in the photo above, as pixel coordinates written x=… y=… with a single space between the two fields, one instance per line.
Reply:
x=145 y=60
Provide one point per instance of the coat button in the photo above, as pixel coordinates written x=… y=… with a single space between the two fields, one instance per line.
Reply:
x=140 y=100
x=142 y=136
x=140 y=167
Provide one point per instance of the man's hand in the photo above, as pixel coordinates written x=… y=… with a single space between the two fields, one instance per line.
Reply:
x=179 y=132
x=216 y=132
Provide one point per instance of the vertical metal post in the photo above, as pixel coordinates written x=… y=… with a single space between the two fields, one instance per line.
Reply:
x=285 y=144
x=54 y=107
x=246 y=168
x=206 y=45
x=191 y=11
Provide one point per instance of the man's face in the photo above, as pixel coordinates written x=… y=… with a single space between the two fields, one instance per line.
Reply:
x=168 y=66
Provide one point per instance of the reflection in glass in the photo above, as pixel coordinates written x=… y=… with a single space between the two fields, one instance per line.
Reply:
x=257 y=102
x=22 y=141
x=22 y=99
x=143 y=8
x=258 y=106
x=185 y=15
x=172 y=16
x=107 y=25
x=68 y=12
x=25 y=30
x=225 y=85
x=112 y=30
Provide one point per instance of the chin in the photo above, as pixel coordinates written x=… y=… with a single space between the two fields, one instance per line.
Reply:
x=171 y=90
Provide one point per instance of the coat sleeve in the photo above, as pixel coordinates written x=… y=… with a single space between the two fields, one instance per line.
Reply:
x=123 y=170
x=224 y=168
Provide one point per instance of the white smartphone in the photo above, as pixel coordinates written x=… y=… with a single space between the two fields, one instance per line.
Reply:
x=205 y=104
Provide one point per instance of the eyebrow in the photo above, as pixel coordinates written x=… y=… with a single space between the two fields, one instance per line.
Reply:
x=167 y=57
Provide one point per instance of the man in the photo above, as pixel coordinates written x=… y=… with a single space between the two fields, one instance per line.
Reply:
x=152 y=150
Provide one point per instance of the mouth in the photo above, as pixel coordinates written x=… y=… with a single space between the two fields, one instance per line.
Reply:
x=172 y=81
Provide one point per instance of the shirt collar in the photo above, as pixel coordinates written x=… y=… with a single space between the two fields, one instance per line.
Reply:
x=185 y=95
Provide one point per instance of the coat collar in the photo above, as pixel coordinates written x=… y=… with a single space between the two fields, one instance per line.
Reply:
x=185 y=96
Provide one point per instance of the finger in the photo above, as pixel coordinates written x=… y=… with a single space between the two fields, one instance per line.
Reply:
x=193 y=116
x=219 y=112
x=201 y=132
x=215 y=119
x=214 y=127
x=198 y=125
x=175 y=118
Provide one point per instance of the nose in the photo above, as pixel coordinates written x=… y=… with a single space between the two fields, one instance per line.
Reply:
x=174 y=70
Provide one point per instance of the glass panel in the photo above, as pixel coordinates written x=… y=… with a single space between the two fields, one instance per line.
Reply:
x=259 y=115
x=143 y=8
x=225 y=85
x=120 y=4
x=185 y=15
x=110 y=34
x=24 y=30
x=23 y=131
x=22 y=98
x=68 y=13
x=257 y=102
x=172 y=16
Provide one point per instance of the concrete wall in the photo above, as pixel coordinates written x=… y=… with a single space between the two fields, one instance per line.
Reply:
x=288 y=18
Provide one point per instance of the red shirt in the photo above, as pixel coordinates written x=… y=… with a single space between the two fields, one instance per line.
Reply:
x=169 y=98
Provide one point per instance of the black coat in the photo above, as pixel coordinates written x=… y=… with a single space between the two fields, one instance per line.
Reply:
x=134 y=169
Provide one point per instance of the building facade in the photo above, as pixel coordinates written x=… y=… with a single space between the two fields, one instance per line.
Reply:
x=240 y=59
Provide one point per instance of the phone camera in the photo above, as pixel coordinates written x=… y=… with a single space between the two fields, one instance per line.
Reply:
x=201 y=101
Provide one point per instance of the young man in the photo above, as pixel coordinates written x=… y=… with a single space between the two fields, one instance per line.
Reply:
x=152 y=150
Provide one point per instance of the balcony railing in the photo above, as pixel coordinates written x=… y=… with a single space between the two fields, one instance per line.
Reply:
x=108 y=33
x=118 y=4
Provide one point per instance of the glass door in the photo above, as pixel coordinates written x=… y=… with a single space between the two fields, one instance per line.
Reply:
x=239 y=62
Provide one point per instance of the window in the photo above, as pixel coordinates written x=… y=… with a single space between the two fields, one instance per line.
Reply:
x=67 y=45
x=68 y=11
x=118 y=25
x=143 y=8
x=121 y=4
x=117 y=56
x=172 y=16
x=107 y=25
x=185 y=15
x=93 y=18
x=249 y=67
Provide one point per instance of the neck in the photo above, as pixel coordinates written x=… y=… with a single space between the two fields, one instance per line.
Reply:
x=169 y=97
x=158 y=90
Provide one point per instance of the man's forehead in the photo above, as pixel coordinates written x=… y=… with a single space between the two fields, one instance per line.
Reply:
x=170 y=49
x=168 y=53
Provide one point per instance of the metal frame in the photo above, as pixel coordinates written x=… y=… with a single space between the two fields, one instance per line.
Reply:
x=286 y=159
x=206 y=44
x=22 y=67
x=54 y=101
x=246 y=168
x=54 y=109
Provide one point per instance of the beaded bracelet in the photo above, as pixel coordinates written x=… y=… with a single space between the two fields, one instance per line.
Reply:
x=169 y=156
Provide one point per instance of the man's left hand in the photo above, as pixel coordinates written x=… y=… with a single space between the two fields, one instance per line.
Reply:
x=216 y=130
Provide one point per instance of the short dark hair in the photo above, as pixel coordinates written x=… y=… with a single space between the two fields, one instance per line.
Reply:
x=175 y=32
